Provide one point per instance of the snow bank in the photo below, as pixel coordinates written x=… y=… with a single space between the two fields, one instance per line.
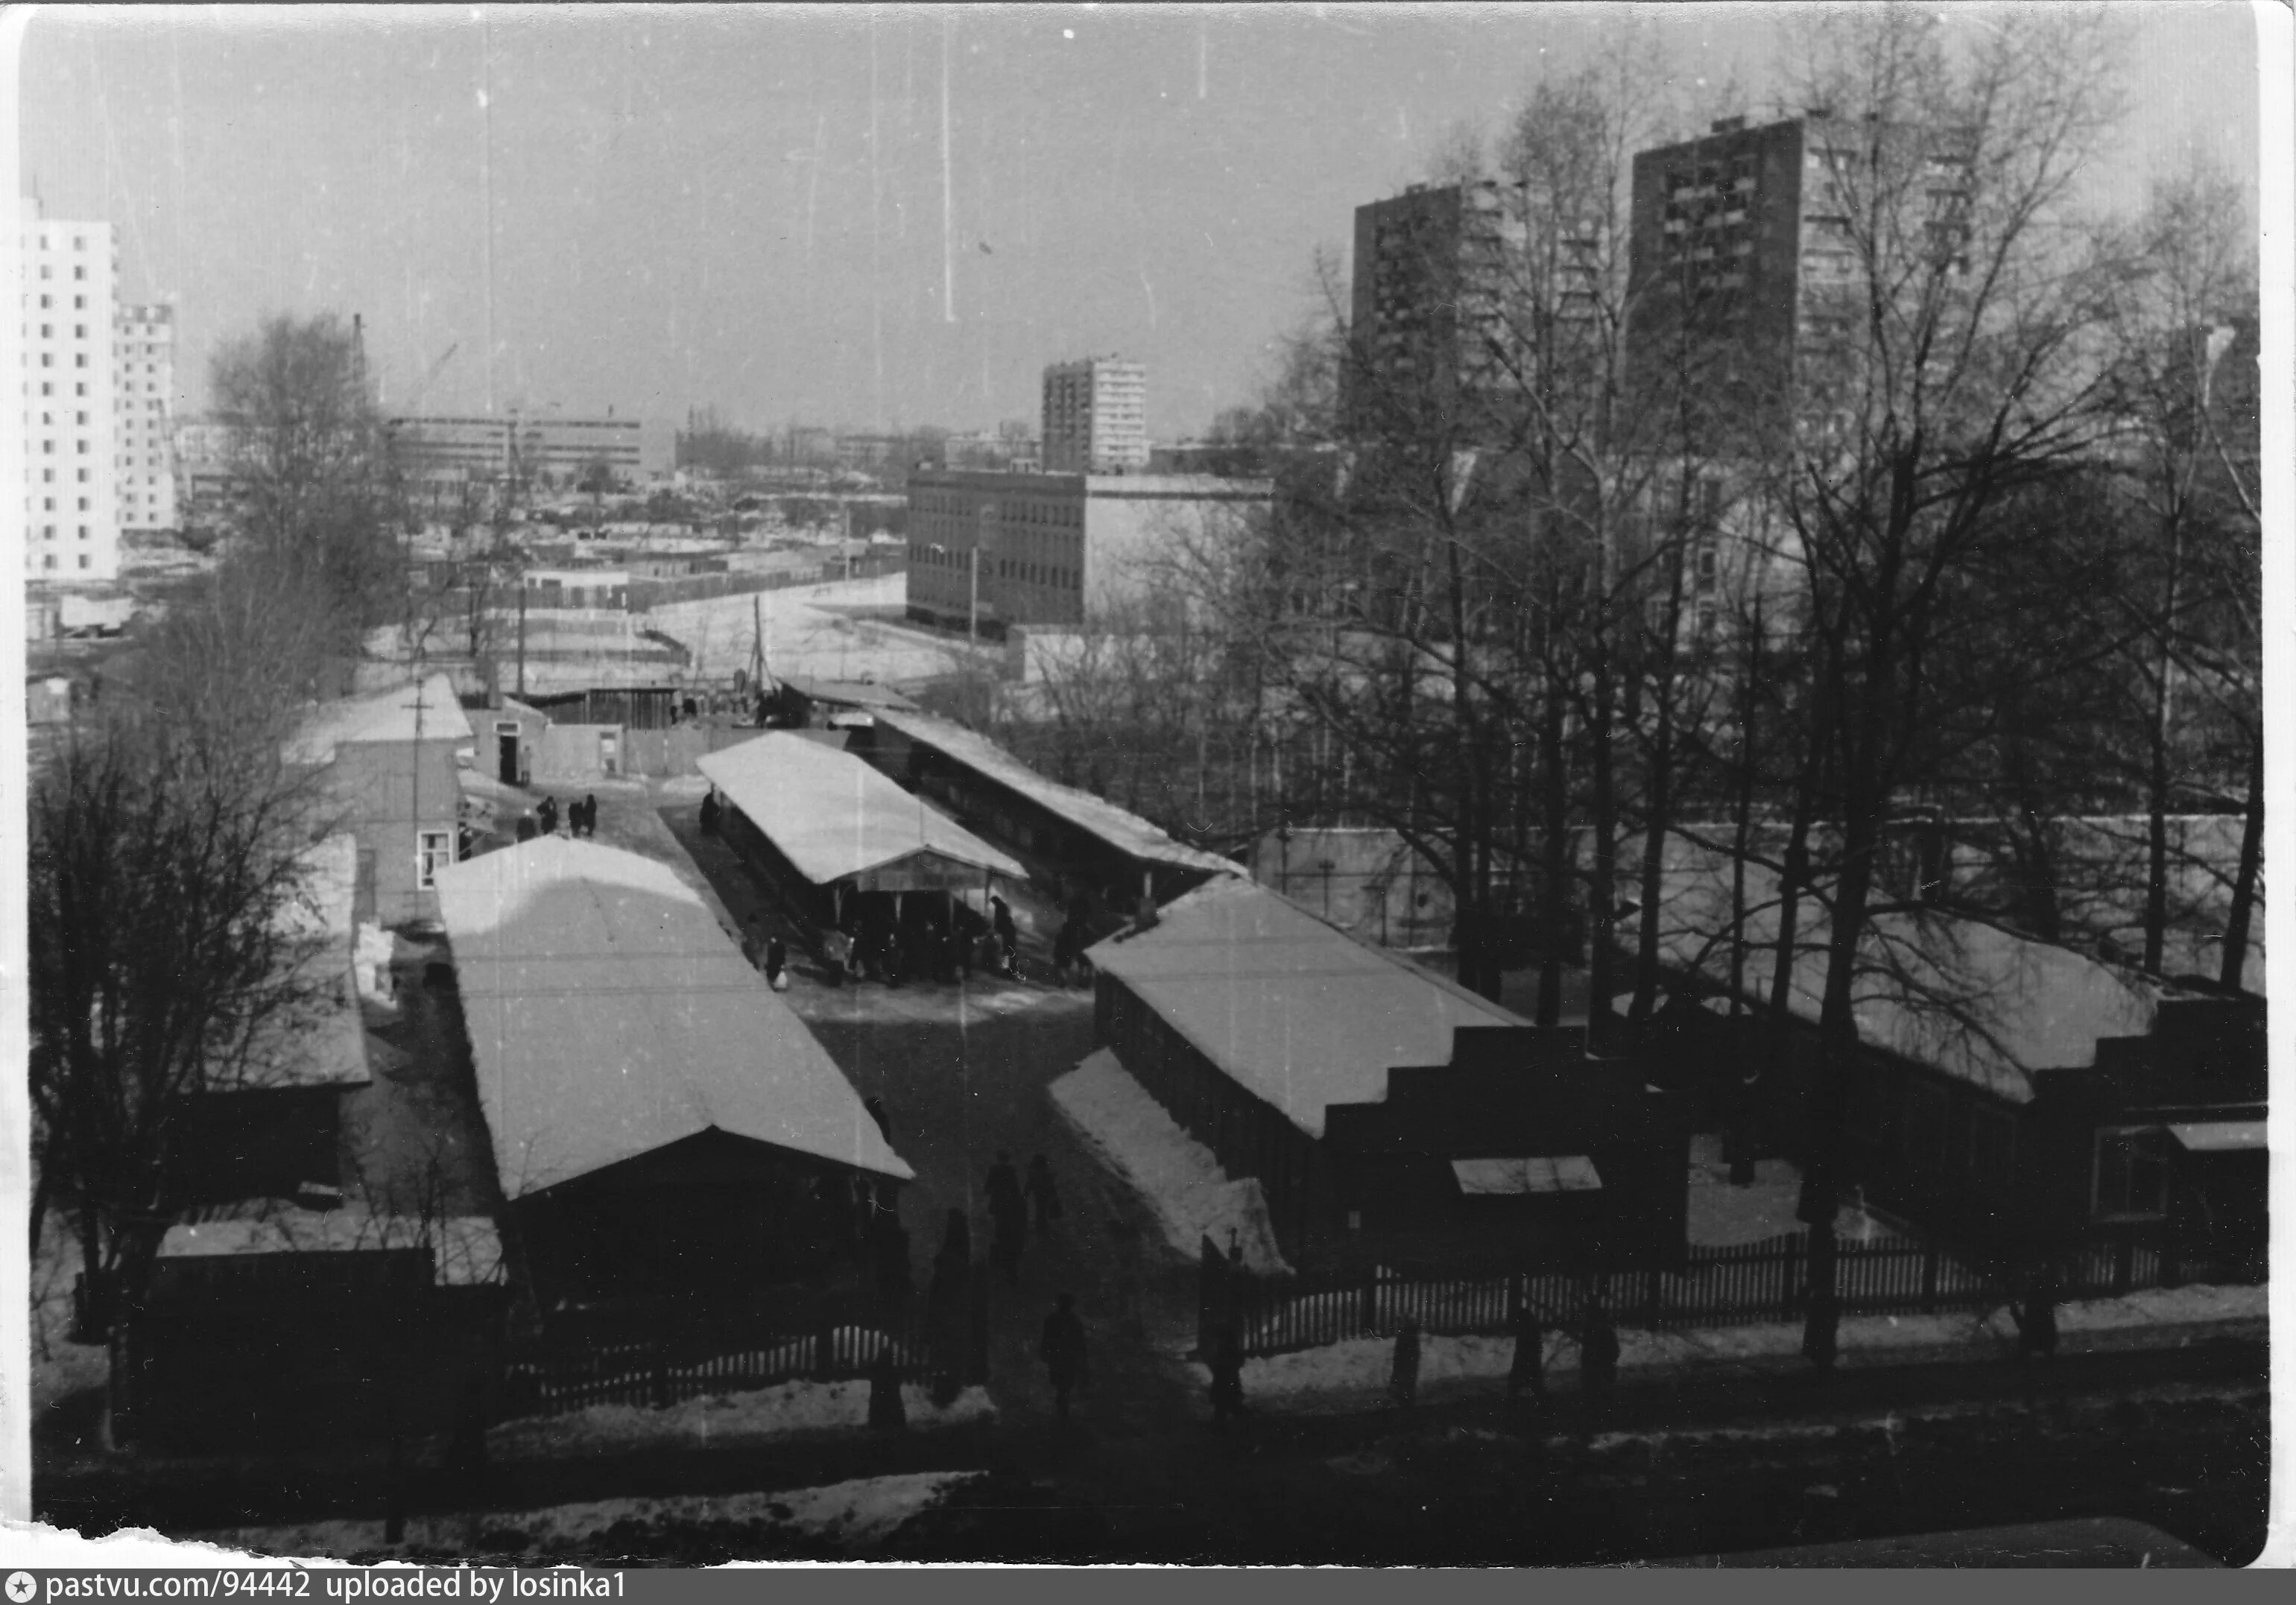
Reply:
x=1189 y=1195
x=857 y=1515
x=1361 y=1364
x=1721 y=1215
x=723 y=1419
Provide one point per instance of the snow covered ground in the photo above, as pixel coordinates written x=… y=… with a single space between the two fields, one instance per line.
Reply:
x=1340 y=1375
x=1189 y=1195
x=724 y=1420
x=804 y=636
x=855 y=1516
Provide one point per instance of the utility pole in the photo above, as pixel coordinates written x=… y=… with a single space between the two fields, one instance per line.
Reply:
x=522 y=636
x=972 y=610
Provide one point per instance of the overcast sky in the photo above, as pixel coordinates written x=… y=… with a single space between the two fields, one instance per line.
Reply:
x=743 y=207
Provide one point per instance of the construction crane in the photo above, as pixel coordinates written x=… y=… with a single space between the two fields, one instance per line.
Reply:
x=414 y=397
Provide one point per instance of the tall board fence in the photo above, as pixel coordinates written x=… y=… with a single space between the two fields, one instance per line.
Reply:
x=1741 y=1284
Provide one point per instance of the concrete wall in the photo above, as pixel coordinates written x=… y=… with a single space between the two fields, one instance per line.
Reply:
x=577 y=752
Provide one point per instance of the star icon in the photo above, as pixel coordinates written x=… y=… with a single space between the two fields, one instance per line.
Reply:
x=21 y=1587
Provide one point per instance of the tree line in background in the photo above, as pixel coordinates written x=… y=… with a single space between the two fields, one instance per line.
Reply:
x=1605 y=582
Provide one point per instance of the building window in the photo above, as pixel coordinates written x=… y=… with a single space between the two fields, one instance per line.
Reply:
x=433 y=850
x=2132 y=1172
x=84 y=560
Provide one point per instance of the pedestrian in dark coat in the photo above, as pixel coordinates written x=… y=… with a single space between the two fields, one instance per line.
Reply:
x=590 y=814
x=1403 y=1377
x=1041 y=1192
x=546 y=814
x=1527 y=1372
x=1227 y=1376
x=710 y=812
x=753 y=943
x=1008 y=937
x=877 y=1112
x=1598 y=1354
x=2037 y=1318
x=1063 y=1352
x=777 y=964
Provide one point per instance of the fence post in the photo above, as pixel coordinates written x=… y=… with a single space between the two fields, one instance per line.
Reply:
x=2124 y=1252
x=1789 y=1284
x=1371 y=1299
x=1929 y=1275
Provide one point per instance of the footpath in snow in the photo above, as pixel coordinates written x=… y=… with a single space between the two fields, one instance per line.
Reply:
x=1340 y=1376
x=853 y=1517
x=726 y=1421
x=1191 y=1197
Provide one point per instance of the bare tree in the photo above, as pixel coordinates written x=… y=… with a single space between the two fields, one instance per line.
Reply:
x=1959 y=366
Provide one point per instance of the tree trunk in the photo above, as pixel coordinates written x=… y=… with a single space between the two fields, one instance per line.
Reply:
x=2251 y=870
x=1604 y=810
x=1555 y=864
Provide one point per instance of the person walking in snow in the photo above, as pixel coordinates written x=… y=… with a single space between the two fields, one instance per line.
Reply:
x=1063 y=1352
x=880 y=1114
x=1041 y=1192
x=1228 y=1376
x=1403 y=1377
x=777 y=964
x=590 y=814
x=545 y=815
x=1008 y=937
x=709 y=812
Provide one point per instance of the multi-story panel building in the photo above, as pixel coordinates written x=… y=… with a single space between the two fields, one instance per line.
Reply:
x=1096 y=417
x=999 y=549
x=144 y=389
x=439 y=457
x=1743 y=262
x=1430 y=338
x=71 y=515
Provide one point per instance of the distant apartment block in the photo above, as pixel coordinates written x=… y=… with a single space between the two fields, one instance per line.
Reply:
x=144 y=364
x=438 y=456
x=1056 y=548
x=1096 y=417
x=1428 y=331
x=71 y=422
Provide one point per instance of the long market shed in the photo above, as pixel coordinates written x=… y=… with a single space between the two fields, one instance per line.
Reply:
x=1075 y=836
x=841 y=826
x=662 y=1124
x=1354 y=1086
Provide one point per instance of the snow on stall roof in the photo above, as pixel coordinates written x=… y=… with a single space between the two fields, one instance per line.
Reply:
x=1097 y=817
x=316 y=1035
x=1301 y=1013
x=467 y=1250
x=832 y=815
x=861 y=693
x=386 y=716
x=609 y=1015
x=1980 y=1004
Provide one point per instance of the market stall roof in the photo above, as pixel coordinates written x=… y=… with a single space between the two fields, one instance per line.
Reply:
x=853 y=693
x=832 y=815
x=466 y=1250
x=2218 y=1136
x=419 y=710
x=1983 y=1004
x=1298 y=1013
x=609 y=1015
x=1096 y=816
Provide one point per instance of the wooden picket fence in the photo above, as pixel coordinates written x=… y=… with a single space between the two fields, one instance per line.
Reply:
x=1741 y=1284
x=573 y=1367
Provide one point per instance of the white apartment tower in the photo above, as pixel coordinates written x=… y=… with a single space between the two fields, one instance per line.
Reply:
x=70 y=422
x=1096 y=417
x=144 y=386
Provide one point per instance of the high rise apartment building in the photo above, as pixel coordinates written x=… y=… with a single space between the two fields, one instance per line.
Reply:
x=67 y=401
x=1428 y=329
x=1096 y=417
x=1742 y=241
x=144 y=387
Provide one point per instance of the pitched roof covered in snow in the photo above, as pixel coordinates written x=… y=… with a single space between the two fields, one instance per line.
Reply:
x=317 y=1036
x=426 y=710
x=1300 y=1014
x=856 y=693
x=1982 y=1005
x=832 y=815
x=609 y=1015
x=1097 y=817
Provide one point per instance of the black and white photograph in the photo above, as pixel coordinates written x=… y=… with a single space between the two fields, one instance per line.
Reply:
x=1343 y=785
